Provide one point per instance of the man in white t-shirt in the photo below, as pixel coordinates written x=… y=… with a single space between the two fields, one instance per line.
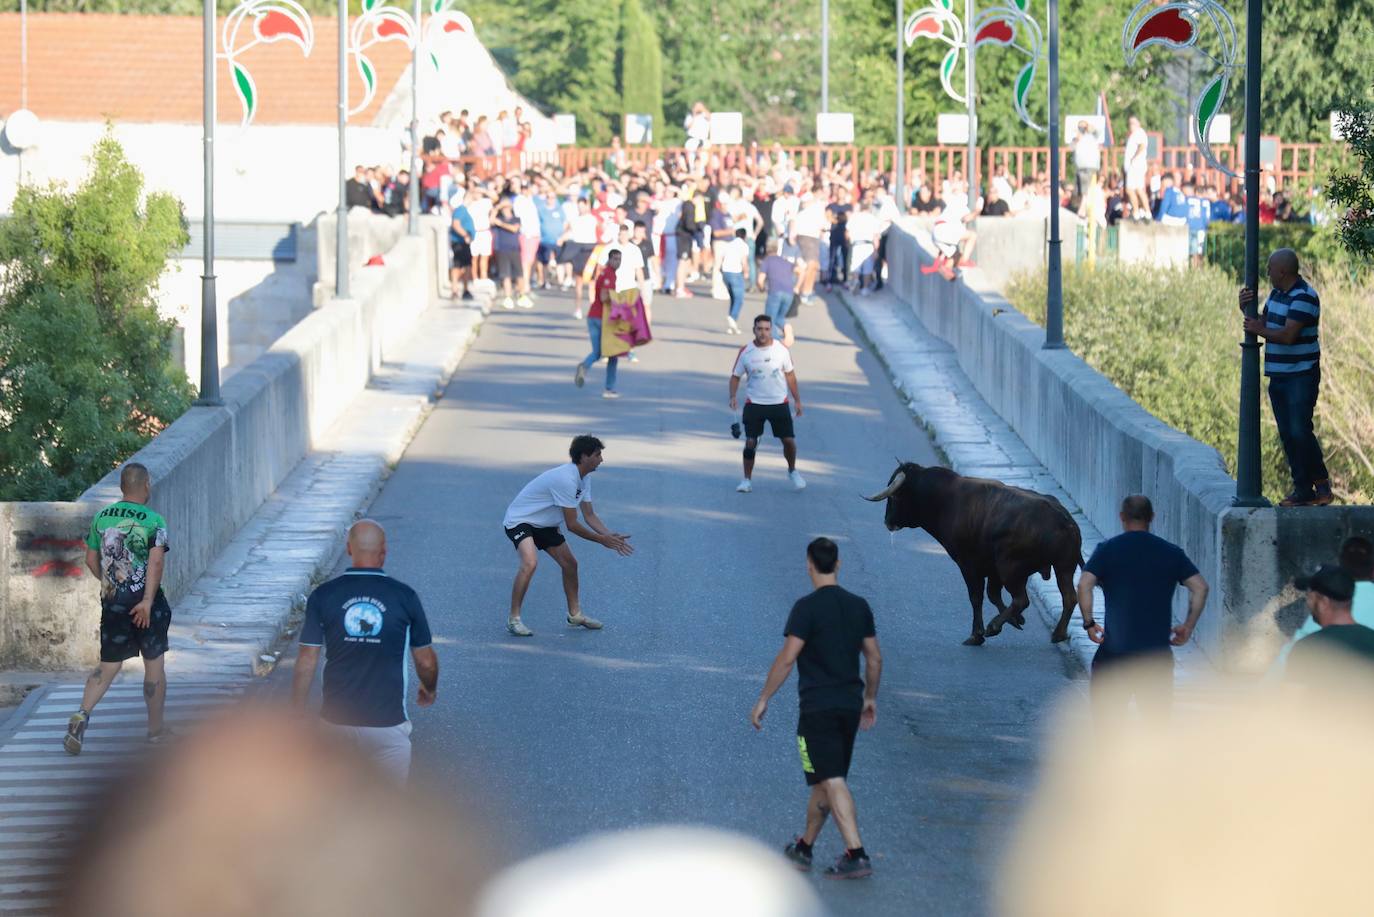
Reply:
x=805 y=233
x=532 y=525
x=771 y=378
x=578 y=243
x=1135 y=163
x=630 y=274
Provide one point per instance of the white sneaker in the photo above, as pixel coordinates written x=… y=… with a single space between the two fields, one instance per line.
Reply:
x=610 y=393
x=518 y=628
x=744 y=487
x=577 y=313
x=525 y=302
x=732 y=326
x=507 y=303
x=798 y=482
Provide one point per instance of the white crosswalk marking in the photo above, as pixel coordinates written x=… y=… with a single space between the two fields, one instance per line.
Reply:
x=45 y=793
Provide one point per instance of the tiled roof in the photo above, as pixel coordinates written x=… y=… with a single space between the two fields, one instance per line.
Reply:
x=90 y=66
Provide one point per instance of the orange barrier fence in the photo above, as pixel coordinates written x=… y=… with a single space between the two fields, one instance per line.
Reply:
x=1295 y=163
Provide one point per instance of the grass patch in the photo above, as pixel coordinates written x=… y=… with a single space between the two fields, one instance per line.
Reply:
x=1168 y=339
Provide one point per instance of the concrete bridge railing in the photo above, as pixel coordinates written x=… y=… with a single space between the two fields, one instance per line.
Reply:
x=214 y=466
x=1100 y=445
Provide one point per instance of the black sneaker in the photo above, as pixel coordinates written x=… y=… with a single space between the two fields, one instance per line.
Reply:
x=798 y=857
x=467 y=296
x=847 y=867
x=76 y=732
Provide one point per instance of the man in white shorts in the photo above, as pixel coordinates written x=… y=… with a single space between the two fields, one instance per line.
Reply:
x=479 y=208
x=1136 y=162
x=771 y=377
x=953 y=239
x=532 y=525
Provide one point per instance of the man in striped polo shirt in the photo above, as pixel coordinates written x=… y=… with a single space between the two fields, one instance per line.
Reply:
x=1292 y=361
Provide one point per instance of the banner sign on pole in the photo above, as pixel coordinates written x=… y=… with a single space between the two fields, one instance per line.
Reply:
x=639 y=129
x=565 y=129
x=951 y=128
x=835 y=127
x=727 y=127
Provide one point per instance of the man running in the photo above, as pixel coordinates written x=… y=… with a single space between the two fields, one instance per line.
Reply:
x=768 y=364
x=826 y=633
x=125 y=550
x=532 y=525
x=367 y=620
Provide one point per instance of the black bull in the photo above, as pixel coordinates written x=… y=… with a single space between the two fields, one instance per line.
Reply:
x=996 y=533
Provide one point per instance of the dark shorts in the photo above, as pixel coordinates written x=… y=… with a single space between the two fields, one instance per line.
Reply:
x=121 y=639
x=462 y=254
x=684 y=244
x=544 y=538
x=810 y=248
x=576 y=254
x=825 y=739
x=547 y=253
x=506 y=265
x=778 y=416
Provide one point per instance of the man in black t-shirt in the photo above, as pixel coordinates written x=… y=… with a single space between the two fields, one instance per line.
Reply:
x=1138 y=572
x=826 y=633
x=367 y=621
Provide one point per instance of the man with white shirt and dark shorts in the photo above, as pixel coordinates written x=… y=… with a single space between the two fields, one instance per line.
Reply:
x=532 y=525
x=771 y=378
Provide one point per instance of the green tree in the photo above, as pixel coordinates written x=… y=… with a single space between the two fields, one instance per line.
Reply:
x=86 y=369
x=640 y=70
x=1352 y=186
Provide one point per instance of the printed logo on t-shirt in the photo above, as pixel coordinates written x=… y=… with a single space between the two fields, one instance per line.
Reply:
x=363 y=620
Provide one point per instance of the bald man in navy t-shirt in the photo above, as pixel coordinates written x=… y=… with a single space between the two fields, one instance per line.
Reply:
x=366 y=621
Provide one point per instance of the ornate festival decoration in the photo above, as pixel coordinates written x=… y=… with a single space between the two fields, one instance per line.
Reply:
x=1010 y=26
x=377 y=22
x=444 y=24
x=1176 y=25
x=261 y=22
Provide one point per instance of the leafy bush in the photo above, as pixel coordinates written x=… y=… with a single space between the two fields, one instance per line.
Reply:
x=1319 y=249
x=1168 y=339
x=86 y=369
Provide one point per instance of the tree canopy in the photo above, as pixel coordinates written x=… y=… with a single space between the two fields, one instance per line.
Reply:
x=762 y=58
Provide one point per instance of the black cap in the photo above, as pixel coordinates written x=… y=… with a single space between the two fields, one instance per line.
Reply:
x=1329 y=580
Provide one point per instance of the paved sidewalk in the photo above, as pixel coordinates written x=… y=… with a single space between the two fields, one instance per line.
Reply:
x=225 y=629
x=974 y=439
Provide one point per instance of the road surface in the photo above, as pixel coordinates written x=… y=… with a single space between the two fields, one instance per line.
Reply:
x=570 y=732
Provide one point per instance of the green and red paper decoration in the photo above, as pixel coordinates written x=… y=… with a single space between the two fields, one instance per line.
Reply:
x=261 y=22
x=1008 y=26
x=377 y=22
x=445 y=26
x=1176 y=25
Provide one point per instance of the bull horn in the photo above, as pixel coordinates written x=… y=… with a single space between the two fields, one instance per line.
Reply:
x=889 y=490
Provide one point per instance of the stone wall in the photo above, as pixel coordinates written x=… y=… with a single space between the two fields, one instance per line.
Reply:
x=213 y=467
x=1100 y=445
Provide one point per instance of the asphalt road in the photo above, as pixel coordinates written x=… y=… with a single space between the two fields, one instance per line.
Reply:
x=645 y=722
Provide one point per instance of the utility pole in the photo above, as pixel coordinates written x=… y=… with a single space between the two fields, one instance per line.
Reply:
x=970 y=82
x=1054 y=294
x=209 y=312
x=825 y=56
x=899 y=182
x=1249 y=483
x=341 y=220
x=413 y=189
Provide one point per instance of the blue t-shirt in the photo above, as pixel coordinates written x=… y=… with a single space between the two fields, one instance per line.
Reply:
x=365 y=620
x=505 y=240
x=1199 y=212
x=1138 y=573
x=1221 y=211
x=552 y=220
x=1173 y=204
x=463 y=219
x=780 y=276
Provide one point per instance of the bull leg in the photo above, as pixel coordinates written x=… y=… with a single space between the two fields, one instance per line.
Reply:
x=1020 y=600
x=1063 y=575
x=995 y=596
x=975 y=597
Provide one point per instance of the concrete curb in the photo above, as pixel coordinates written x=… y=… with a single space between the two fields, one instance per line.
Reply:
x=967 y=433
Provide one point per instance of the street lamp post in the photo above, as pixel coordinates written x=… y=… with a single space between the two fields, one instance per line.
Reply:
x=825 y=55
x=899 y=179
x=209 y=313
x=970 y=83
x=341 y=221
x=1054 y=293
x=413 y=190
x=1249 y=489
